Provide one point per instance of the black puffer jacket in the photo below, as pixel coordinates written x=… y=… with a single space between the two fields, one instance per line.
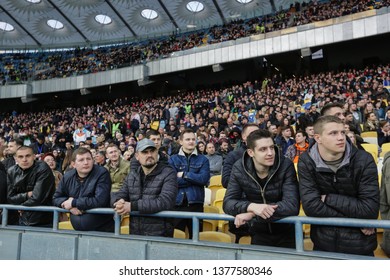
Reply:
x=351 y=192
x=281 y=189
x=156 y=193
x=40 y=180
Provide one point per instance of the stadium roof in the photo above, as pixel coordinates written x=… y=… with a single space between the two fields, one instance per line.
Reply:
x=37 y=24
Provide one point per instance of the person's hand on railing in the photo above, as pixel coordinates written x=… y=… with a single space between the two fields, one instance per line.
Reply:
x=67 y=204
x=75 y=211
x=122 y=207
x=243 y=218
x=265 y=211
x=368 y=231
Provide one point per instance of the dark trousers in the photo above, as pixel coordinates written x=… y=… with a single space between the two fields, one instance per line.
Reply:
x=285 y=239
x=183 y=223
x=93 y=222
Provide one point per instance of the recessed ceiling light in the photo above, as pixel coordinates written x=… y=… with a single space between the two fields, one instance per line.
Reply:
x=34 y=1
x=149 y=14
x=103 y=19
x=5 y=26
x=244 y=1
x=55 y=24
x=195 y=6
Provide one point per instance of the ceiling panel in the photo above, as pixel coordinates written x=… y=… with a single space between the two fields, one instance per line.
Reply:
x=81 y=28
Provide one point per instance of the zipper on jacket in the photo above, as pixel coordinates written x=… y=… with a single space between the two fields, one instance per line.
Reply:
x=262 y=190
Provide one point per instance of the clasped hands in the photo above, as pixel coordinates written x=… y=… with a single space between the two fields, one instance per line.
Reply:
x=122 y=207
x=67 y=204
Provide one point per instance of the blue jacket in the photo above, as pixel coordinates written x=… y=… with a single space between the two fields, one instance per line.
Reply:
x=196 y=176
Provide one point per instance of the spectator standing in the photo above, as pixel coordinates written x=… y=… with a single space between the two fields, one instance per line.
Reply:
x=338 y=180
x=85 y=187
x=31 y=183
x=267 y=192
x=193 y=174
x=150 y=189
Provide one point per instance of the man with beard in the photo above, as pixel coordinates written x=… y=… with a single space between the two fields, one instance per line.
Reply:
x=149 y=189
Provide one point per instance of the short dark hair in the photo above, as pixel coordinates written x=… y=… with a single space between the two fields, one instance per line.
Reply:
x=80 y=151
x=19 y=142
x=257 y=135
x=23 y=147
x=302 y=132
x=187 y=130
x=321 y=121
x=329 y=106
x=152 y=132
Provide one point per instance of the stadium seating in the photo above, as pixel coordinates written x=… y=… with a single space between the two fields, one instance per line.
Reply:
x=210 y=225
x=214 y=236
x=372 y=149
x=385 y=148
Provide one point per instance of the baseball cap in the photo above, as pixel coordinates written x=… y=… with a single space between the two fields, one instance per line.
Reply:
x=144 y=144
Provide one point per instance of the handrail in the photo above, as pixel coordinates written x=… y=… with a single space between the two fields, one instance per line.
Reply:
x=298 y=221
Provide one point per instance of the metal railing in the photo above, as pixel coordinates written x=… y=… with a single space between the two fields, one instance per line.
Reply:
x=298 y=221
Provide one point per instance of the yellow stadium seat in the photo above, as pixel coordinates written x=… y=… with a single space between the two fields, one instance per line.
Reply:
x=125 y=229
x=385 y=149
x=245 y=240
x=215 y=236
x=369 y=134
x=370 y=137
x=372 y=149
x=216 y=180
x=65 y=225
x=220 y=194
x=179 y=234
x=125 y=220
x=214 y=189
x=210 y=225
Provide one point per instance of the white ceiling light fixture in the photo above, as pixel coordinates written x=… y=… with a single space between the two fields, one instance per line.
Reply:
x=103 y=19
x=149 y=14
x=55 y=24
x=34 y=1
x=195 y=6
x=5 y=26
x=244 y=1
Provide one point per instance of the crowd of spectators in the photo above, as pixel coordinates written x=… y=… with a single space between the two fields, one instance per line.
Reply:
x=60 y=64
x=216 y=115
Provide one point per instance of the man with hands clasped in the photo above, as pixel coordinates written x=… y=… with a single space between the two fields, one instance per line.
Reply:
x=149 y=189
x=263 y=188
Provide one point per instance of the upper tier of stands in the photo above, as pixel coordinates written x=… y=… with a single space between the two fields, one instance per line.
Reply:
x=42 y=65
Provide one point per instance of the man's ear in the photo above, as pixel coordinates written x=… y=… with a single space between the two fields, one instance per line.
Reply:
x=250 y=152
x=317 y=137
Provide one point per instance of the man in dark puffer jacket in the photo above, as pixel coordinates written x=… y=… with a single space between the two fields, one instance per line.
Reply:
x=150 y=189
x=338 y=180
x=270 y=186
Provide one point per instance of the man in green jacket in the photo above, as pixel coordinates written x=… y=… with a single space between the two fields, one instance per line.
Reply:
x=116 y=166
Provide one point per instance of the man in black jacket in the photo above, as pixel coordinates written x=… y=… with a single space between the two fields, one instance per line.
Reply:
x=31 y=183
x=149 y=189
x=263 y=188
x=338 y=180
x=85 y=187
